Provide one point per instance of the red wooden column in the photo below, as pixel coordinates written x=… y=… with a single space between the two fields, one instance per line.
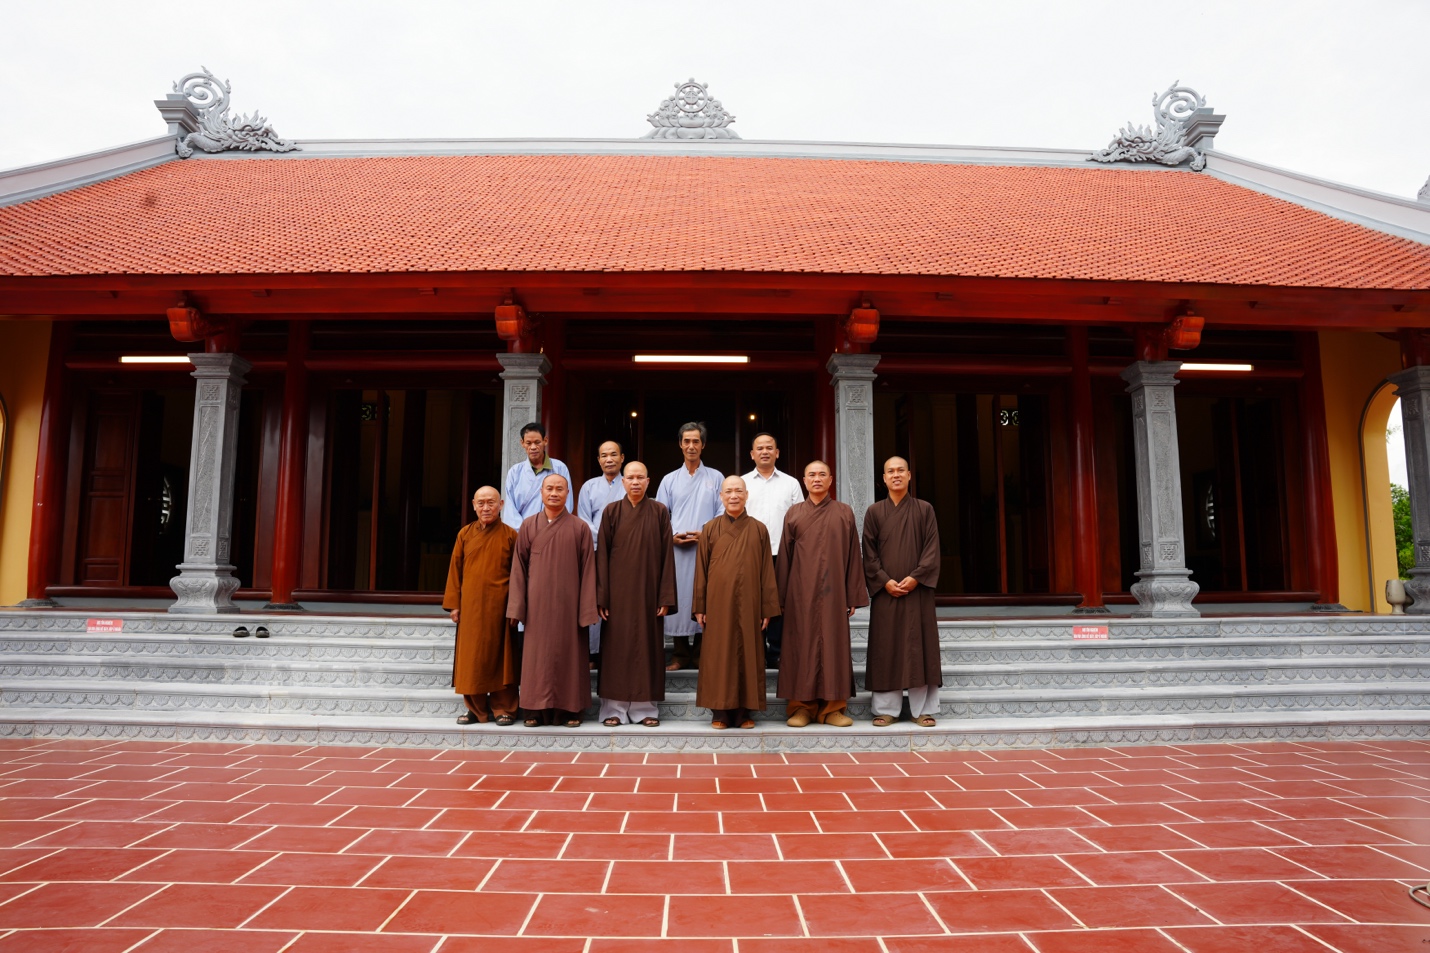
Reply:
x=48 y=507
x=1087 y=544
x=292 y=459
x=1320 y=512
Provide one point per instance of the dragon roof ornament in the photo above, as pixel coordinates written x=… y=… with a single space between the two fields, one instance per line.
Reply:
x=691 y=114
x=197 y=113
x=1185 y=126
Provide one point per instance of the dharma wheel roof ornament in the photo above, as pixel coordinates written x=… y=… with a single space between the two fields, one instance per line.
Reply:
x=691 y=114
x=1186 y=126
x=197 y=113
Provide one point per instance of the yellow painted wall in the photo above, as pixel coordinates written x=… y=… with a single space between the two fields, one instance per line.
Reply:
x=24 y=353
x=1354 y=366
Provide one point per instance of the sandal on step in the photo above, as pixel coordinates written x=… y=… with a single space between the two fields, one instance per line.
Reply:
x=532 y=723
x=612 y=722
x=506 y=721
x=925 y=721
x=747 y=723
x=573 y=723
x=719 y=725
x=650 y=722
x=884 y=721
x=467 y=719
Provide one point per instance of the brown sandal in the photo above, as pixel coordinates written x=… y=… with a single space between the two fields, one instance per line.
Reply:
x=748 y=723
x=719 y=725
x=925 y=721
x=650 y=722
x=884 y=721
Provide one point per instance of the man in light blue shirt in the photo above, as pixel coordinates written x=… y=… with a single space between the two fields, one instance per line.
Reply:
x=692 y=494
x=522 y=490
x=596 y=494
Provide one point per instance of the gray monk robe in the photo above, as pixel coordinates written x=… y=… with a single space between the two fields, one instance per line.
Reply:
x=485 y=659
x=735 y=588
x=635 y=577
x=553 y=593
x=820 y=575
x=902 y=541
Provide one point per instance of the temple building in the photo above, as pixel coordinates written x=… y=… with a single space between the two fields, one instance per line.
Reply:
x=1151 y=380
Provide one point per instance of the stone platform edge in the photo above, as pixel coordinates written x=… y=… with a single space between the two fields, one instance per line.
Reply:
x=774 y=739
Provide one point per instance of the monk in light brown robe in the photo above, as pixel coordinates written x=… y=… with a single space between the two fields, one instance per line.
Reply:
x=734 y=598
x=635 y=589
x=486 y=661
x=553 y=594
x=821 y=581
x=901 y=564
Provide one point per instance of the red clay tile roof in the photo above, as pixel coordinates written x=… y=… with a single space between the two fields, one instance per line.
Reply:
x=676 y=213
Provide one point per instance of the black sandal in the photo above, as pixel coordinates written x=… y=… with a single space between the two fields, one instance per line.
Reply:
x=532 y=723
x=573 y=723
x=650 y=722
x=612 y=722
x=467 y=719
x=506 y=721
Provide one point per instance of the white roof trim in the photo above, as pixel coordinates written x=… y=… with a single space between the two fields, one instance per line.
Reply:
x=1394 y=214
x=61 y=175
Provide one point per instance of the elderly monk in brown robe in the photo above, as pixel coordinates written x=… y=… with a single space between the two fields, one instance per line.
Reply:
x=901 y=564
x=486 y=660
x=635 y=589
x=821 y=581
x=553 y=594
x=734 y=597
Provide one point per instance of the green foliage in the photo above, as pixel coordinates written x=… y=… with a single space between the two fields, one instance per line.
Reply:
x=1404 y=535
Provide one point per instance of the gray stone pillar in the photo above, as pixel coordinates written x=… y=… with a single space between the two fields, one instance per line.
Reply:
x=1165 y=588
x=1413 y=387
x=523 y=377
x=205 y=582
x=852 y=377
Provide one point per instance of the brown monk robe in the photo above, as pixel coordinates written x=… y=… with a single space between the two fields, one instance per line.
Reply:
x=486 y=661
x=635 y=587
x=901 y=566
x=821 y=581
x=733 y=598
x=553 y=593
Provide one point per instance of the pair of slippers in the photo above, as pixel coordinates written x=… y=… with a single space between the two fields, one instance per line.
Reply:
x=242 y=632
x=721 y=726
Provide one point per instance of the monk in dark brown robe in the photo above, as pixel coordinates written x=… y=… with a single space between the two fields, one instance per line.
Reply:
x=821 y=583
x=901 y=564
x=486 y=661
x=635 y=589
x=734 y=598
x=553 y=594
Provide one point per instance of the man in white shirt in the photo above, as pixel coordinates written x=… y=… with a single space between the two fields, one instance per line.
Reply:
x=772 y=493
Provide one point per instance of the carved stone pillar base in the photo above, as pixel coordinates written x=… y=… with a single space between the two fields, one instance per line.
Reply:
x=205 y=588
x=1165 y=588
x=1164 y=594
x=852 y=377
x=205 y=582
x=523 y=377
x=1417 y=587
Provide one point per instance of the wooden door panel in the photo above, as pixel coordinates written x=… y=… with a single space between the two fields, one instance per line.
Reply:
x=107 y=490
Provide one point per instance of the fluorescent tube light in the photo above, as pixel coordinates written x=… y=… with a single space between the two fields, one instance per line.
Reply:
x=154 y=359
x=692 y=359
x=1234 y=368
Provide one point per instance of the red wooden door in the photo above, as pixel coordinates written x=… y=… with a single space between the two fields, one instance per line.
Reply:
x=107 y=494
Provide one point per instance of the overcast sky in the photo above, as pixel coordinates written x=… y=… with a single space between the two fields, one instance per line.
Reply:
x=1332 y=89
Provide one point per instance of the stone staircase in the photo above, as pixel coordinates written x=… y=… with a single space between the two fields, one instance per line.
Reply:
x=376 y=680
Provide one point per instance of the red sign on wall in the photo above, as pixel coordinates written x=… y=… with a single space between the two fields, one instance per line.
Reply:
x=103 y=625
x=1089 y=631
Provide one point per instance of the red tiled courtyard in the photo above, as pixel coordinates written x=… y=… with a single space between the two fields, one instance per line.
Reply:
x=143 y=846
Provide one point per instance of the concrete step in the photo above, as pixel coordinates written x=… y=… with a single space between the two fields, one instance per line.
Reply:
x=767 y=736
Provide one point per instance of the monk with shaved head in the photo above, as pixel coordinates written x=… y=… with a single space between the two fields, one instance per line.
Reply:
x=901 y=565
x=734 y=598
x=485 y=662
x=553 y=595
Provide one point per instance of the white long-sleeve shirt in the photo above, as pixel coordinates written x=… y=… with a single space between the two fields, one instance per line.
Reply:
x=770 y=499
